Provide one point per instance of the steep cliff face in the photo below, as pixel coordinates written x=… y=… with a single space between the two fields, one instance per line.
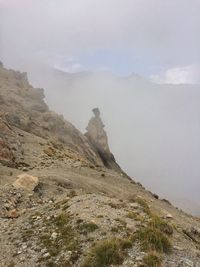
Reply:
x=99 y=140
x=23 y=106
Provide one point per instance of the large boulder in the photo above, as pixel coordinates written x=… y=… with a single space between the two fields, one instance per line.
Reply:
x=26 y=182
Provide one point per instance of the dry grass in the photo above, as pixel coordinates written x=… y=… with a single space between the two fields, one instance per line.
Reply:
x=152 y=259
x=88 y=227
x=162 y=225
x=153 y=239
x=106 y=253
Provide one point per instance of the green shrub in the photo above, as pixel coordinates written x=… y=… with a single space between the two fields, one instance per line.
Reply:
x=125 y=243
x=61 y=220
x=162 y=225
x=153 y=239
x=66 y=239
x=107 y=252
x=88 y=227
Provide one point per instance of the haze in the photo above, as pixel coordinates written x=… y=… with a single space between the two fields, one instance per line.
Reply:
x=87 y=54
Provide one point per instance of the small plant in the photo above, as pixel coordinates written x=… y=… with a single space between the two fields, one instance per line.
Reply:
x=116 y=205
x=131 y=215
x=88 y=227
x=66 y=237
x=153 y=259
x=135 y=216
x=153 y=239
x=72 y=193
x=106 y=252
x=125 y=243
x=114 y=229
x=144 y=205
x=162 y=225
x=61 y=203
x=61 y=220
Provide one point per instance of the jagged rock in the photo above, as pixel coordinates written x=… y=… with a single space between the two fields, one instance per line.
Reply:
x=99 y=140
x=96 y=132
x=26 y=182
x=23 y=106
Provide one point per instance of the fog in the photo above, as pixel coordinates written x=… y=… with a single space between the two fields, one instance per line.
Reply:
x=83 y=54
x=153 y=129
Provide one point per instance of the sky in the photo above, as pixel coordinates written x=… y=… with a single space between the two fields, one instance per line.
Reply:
x=154 y=38
x=153 y=129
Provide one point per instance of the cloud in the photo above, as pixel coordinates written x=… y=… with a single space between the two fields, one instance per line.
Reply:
x=70 y=68
x=154 y=32
x=179 y=75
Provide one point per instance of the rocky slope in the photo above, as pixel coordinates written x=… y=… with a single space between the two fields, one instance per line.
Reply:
x=64 y=201
x=23 y=107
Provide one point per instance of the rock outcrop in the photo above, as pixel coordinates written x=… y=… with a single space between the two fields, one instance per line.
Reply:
x=23 y=107
x=26 y=182
x=99 y=140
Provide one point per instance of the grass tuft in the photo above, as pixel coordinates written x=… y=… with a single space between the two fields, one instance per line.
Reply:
x=106 y=253
x=88 y=227
x=66 y=239
x=153 y=259
x=134 y=216
x=144 y=205
x=153 y=239
x=162 y=225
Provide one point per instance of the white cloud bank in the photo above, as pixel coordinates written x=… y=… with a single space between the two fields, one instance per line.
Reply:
x=70 y=68
x=180 y=75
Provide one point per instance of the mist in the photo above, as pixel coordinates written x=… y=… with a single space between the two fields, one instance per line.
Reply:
x=138 y=61
x=153 y=129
